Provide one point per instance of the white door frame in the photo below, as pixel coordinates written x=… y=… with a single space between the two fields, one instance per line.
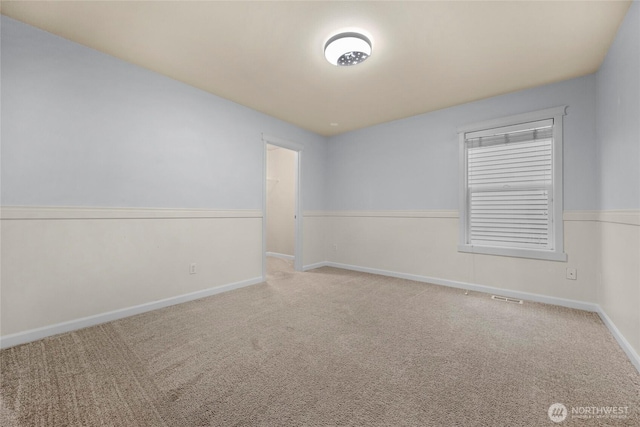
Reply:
x=297 y=251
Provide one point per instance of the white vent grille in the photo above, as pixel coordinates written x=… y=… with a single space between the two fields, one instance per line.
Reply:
x=506 y=299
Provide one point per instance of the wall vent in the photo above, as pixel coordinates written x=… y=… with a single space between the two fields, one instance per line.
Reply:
x=506 y=299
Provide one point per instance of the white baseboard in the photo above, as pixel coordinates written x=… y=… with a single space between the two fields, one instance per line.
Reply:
x=316 y=265
x=73 y=325
x=580 y=305
x=626 y=347
x=282 y=256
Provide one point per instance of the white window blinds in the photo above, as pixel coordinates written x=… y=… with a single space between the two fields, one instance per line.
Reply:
x=509 y=186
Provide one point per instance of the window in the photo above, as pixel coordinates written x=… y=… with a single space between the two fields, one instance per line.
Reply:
x=511 y=186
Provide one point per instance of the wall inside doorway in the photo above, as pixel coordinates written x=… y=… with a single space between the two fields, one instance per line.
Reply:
x=280 y=200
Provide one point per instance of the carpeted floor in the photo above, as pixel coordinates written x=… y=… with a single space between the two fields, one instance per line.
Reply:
x=324 y=348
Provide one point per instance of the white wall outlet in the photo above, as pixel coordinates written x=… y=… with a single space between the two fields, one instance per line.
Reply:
x=572 y=273
x=335 y=247
x=192 y=268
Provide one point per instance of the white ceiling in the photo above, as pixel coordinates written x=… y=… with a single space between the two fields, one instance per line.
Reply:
x=269 y=55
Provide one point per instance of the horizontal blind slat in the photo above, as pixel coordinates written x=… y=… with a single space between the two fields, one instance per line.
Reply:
x=481 y=225
x=511 y=138
x=477 y=147
x=509 y=193
x=513 y=222
x=544 y=174
x=535 y=145
x=503 y=236
x=499 y=242
x=515 y=162
x=510 y=157
x=489 y=203
x=534 y=166
x=511 y=180
x=528 y=152
x=514 y=214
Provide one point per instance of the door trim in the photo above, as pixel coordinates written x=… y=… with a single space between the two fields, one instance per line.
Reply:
x=297 y=148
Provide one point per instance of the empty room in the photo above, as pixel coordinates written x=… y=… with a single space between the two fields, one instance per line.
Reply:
x=320 y=213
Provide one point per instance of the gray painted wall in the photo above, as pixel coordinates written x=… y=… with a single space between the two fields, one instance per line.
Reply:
x=281 y=201
x=82 y=128
x=618 y=117
x=413 y=163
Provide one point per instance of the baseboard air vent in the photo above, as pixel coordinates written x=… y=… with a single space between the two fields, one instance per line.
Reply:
x=506 y=299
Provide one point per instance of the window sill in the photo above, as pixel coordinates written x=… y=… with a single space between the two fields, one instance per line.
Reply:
x=517 y=253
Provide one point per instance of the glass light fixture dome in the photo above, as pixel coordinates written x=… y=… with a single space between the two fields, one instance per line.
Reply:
x=346 y=49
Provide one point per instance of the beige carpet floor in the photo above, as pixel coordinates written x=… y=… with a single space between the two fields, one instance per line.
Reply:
x=324 y=348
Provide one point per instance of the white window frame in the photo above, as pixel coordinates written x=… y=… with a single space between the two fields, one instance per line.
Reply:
x=557 y=229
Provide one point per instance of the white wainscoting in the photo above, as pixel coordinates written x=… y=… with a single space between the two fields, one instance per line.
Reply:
x=314 y=244
x=64 y=268
x=619 y=290
x=424 y=243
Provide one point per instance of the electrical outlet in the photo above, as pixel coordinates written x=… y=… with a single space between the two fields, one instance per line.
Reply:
x=335 y=247
x=572 y=273
x=192 y=268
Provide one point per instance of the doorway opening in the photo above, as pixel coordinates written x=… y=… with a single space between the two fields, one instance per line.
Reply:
x=282 y=222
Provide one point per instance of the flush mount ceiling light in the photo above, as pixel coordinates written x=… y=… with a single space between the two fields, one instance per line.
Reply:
x=347 y=49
